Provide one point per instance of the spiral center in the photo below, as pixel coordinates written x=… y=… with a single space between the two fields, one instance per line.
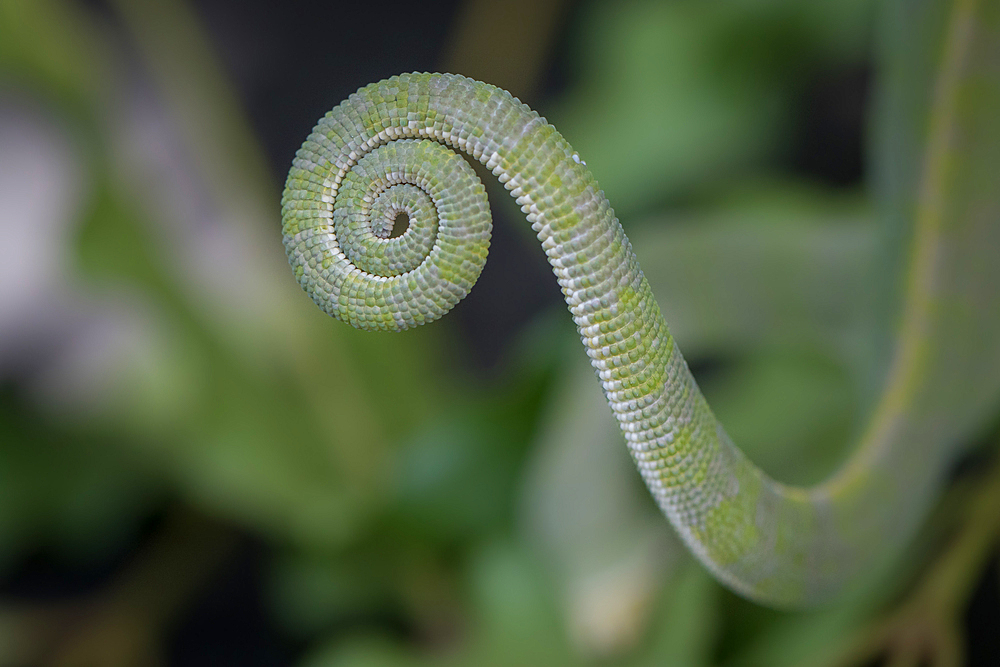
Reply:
x=405 y=240
x=399 y=225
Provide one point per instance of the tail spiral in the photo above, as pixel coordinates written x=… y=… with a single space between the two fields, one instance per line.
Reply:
x=342 y=254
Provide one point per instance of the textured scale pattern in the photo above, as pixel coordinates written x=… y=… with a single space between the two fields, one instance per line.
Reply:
x=389 y=148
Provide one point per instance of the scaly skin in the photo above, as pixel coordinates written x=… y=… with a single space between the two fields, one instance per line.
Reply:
x=771 y=542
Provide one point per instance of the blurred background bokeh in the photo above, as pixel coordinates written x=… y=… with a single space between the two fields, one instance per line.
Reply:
x=198 y=467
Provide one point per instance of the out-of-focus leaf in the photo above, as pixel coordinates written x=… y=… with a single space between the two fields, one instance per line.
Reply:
x=780 y=268
x=517 y=621
x=607 y=546
x=311 y=592
x=283 y=424
x=674 y=95
x=686 y=629
x=52 y=48
x=793 y=415
x=453 y=479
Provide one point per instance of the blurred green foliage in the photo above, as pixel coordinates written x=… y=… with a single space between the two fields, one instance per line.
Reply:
x=393 y=486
